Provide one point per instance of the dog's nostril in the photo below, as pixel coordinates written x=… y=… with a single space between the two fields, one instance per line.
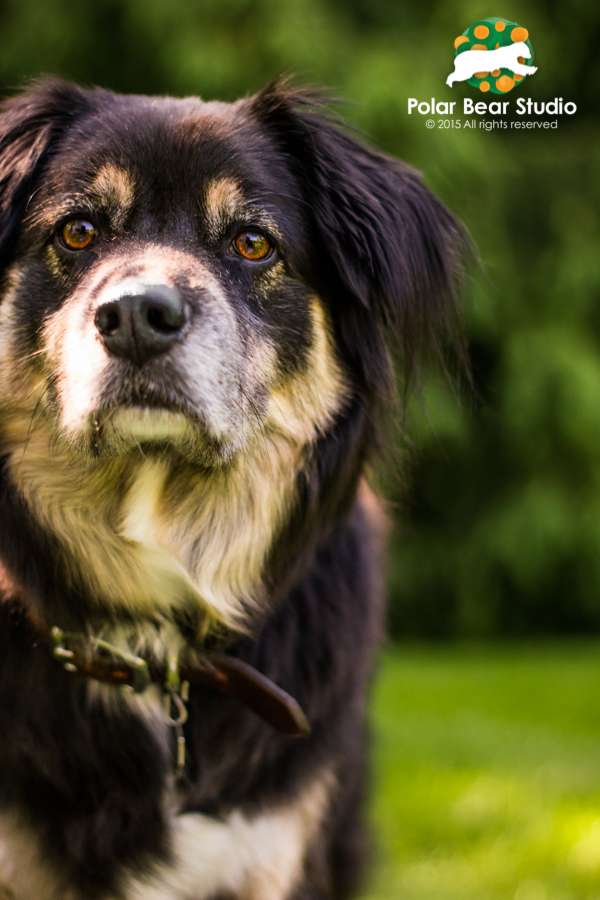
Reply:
x=166 y=319
x=107 y=319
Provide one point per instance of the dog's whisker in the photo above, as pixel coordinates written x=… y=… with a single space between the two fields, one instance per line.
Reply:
x=36 y=412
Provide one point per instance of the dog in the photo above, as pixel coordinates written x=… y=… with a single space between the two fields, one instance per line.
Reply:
x=198 y=308
x=470 y=62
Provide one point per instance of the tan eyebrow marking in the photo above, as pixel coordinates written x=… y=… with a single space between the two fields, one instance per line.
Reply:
x=224 y=203
x=222 y=195
x=114 y=190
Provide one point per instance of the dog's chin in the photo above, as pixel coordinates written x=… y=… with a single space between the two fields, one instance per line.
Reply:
x=149 y=425
x=154 y=432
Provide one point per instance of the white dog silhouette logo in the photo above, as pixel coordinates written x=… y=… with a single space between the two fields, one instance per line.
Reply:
x=491 y=56
x=467 y=64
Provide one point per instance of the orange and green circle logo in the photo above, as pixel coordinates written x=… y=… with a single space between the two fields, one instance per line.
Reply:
x=492 y=35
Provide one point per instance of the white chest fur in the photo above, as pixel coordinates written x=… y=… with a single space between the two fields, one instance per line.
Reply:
x=253 y=858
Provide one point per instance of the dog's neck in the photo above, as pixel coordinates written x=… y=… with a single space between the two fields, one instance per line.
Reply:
x=156 y=535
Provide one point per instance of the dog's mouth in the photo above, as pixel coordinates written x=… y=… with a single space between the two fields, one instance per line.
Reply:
x=150 y=418
x=150 y=398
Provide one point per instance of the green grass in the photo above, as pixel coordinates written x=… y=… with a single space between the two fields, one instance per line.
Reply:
x=487 y=773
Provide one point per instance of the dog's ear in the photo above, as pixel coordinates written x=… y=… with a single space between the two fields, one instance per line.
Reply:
x=394 y=249
x=30 y=124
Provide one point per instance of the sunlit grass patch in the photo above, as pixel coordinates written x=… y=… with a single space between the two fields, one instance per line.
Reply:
x=487 y=773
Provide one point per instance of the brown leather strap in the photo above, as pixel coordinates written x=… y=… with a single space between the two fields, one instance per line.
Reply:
x=219 y=671
x=238 y=679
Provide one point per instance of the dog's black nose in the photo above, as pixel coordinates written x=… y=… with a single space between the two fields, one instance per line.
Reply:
x=138 y=326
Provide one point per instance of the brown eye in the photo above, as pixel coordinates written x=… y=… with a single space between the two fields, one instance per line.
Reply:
x=253 y=245
x=78 y=234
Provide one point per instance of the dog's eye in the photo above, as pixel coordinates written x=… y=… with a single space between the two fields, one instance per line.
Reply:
x=253 y=245
x=78 y=234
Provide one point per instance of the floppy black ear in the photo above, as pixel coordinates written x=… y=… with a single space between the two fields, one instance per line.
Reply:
x=394 y=248
x=30 y=123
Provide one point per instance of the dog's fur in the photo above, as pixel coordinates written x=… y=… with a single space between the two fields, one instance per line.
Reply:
x=208 y=496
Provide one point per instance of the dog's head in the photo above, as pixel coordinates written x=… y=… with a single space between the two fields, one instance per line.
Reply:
x=210 y=286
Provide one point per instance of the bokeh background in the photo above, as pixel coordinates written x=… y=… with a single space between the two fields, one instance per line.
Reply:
x=488 y=754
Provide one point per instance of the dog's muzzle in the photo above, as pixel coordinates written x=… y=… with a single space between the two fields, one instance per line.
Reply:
x=140 y=321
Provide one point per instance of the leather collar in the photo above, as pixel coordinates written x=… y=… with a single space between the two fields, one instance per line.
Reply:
x=224 y=673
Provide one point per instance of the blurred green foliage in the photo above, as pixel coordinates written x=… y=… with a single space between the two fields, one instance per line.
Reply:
x=499 y=520
x=487 y=775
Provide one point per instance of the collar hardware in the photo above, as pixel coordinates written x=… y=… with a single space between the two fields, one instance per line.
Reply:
x=176 y=715
x=97 y=658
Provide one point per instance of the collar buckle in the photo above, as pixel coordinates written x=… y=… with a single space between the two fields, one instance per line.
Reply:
x=70 y=650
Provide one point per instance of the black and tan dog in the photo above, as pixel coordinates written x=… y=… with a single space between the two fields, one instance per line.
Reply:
x=197 y=305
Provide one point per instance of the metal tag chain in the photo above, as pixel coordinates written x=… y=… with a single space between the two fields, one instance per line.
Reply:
x=177 y=694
